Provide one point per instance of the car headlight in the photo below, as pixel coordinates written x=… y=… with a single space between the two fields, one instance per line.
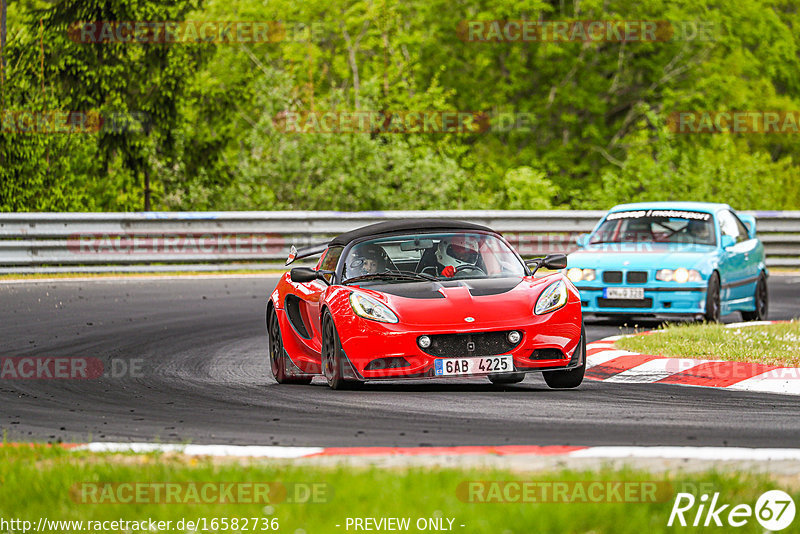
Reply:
x=552 y=298
x=680 y=275
x=369 y=308
x=576 y=274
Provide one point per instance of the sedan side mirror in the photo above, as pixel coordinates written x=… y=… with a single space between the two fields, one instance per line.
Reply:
x=728 y=241
x=304 y=275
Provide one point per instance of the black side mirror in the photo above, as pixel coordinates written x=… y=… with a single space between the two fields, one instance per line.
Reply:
x=551 y=261
x=555 y=261
x=303 y=275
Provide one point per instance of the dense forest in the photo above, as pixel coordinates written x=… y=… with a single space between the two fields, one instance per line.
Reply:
x=95 y=118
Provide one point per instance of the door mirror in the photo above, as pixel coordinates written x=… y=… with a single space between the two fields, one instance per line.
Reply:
x=750 y=222
x=583 y=240
x=303 y=275
x=555 y=262
x=728 y=241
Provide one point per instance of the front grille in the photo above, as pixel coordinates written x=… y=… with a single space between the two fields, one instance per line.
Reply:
x=387 y=363
x=636 y=277
x=612 y=277
x=547 y=354
x=458 y=345
x=624 y=303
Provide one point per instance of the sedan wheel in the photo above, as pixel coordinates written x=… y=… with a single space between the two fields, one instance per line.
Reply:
x=761 y=299
x=277 y=355
x=712 y=314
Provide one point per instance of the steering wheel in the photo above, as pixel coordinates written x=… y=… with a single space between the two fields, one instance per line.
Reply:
x=461 y=268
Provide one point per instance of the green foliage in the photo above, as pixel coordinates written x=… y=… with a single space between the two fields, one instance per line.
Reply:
x=203 y=115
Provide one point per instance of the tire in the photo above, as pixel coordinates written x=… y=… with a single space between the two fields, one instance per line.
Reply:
x=333 y=358
x=277 y=354
x=761 y=298
x=713 y=307
x=509 y=378
x=571 y=378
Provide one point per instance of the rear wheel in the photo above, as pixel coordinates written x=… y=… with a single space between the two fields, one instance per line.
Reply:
x=571 y=378
x=510 y=378
x=712 y=314
x=333 y=358
x=277 y=354
x=761 y=299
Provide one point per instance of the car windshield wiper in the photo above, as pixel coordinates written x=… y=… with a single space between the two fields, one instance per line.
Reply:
x=391 y=276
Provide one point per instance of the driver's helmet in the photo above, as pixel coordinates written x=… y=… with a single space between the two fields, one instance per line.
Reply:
x=699 y=229
x=457 y=251
x=367 y=259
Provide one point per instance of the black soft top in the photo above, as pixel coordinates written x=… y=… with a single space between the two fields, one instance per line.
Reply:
x=388 y=227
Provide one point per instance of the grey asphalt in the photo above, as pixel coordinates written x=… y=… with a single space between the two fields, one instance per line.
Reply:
x=198 y=351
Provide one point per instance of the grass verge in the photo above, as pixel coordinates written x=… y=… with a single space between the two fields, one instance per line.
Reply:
x=46 y=482
x=774 y=344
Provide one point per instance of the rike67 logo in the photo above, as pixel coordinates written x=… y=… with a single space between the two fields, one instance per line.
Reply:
x=774 y=510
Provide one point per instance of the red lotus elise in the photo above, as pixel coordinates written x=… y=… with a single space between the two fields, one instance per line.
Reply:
x=424 y=299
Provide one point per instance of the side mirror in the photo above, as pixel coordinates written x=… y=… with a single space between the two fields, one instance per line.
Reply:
x=582 y=240
x=555 y=262
x=728 y=241
x=303 y=275
x=750 y=222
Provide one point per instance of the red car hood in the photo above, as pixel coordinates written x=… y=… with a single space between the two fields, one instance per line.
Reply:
x=490 y=302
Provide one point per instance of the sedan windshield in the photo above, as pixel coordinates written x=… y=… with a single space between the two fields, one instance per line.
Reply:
x=421 y=257
x=656 y=226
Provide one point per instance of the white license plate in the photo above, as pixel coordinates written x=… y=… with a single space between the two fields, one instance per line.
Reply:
x=473 y=366
x=624 y=293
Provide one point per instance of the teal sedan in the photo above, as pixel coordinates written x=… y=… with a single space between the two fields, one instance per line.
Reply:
x=692 y=259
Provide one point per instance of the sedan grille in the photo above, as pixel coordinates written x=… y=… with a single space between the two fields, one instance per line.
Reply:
x=475 y=344
x=636 y=277
x=624 y=303
x=612 y=277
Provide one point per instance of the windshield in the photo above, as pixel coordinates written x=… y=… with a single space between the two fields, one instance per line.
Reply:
x=432 y=256
x=656 y=226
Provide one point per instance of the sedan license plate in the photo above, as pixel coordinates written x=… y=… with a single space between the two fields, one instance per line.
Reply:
x=473 y=365
x=624 y=293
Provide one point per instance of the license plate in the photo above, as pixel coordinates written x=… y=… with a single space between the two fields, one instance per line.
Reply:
x=624 y=293
x=473 y=366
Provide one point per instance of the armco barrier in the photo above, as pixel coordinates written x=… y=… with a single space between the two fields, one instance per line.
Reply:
x=168 y=241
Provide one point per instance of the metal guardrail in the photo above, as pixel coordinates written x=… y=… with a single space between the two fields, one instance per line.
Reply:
x=171 y=241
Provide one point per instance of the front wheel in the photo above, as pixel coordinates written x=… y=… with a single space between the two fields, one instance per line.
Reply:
x=333 y=358
x=761 y=299
x=571 y=378
x=277 y=354
x=712 y=314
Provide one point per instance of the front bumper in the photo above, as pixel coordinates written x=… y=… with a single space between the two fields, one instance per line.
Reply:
x=658 y=300
x=560 y=330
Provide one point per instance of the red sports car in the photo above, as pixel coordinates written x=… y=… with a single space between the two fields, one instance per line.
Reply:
x=424 y=299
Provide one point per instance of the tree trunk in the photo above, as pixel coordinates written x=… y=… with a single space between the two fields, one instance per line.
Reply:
x=146 y=189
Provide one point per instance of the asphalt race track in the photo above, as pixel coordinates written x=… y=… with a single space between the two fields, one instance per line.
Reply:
x=189 y=363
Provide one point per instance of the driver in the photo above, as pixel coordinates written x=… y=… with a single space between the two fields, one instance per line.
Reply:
x=699 y=230
x=367 y=259
x=455 y=252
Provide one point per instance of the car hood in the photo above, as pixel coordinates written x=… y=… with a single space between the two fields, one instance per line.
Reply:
x=642 y=257
x=496 y=301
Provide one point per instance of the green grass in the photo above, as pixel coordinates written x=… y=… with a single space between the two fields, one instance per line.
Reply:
x=36 y=482
x=775 y=344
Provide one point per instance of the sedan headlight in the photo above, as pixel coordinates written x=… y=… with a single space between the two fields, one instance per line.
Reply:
x=552 y=298
x=680 y=275
x=576 y=274
x=369 y=308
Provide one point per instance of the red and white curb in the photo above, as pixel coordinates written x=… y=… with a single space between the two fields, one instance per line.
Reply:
x=605 y=362
x=601 y=452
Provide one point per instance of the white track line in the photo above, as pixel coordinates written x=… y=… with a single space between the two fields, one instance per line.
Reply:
x=655 y=370
x=692 y=453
